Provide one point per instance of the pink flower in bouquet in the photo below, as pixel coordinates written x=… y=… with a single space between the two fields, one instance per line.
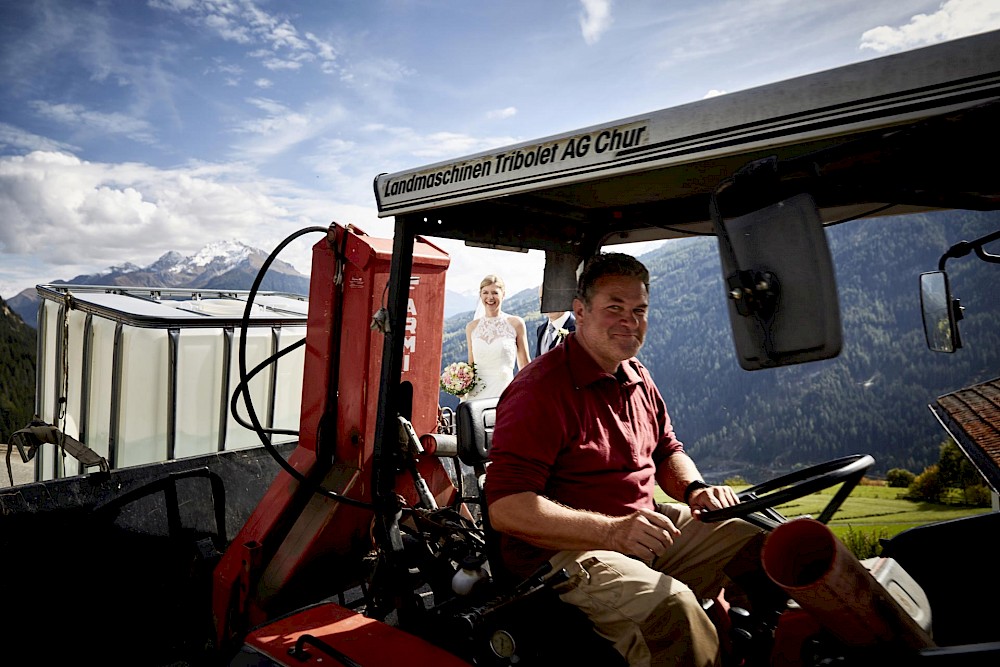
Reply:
x=459 y=378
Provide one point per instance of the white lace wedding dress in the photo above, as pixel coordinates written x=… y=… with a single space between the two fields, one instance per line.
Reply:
x=494 y=347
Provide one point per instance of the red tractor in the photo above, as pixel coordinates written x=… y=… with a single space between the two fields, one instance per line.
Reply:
x=366 y=541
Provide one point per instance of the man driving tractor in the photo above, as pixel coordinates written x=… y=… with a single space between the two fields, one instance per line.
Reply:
x=582 y=437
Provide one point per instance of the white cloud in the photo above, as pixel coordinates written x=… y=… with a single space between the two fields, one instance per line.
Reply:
x=595 y=19
x=713 y=93
x=447 y=144
x=499 y=114
x=79 y=117
x=232 y=74
x=69 y=216
x=270 y=106
x=15 y=140
x=225 y=68
x=324 y=50
x=344 y=166
x=283 y=35
x=64 y=216
x=396 y=143
x=953 y=19
x=75 y=37
x=378 y=71
x=226 y=28
x=277 y=64
x=277 y=41
x=263 y=83
x=281 y=128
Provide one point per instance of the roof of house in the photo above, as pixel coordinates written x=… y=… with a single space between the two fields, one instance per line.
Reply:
x=972 y=417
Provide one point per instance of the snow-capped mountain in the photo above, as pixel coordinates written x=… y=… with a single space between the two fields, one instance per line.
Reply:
x=213 y=260
x=227 y=265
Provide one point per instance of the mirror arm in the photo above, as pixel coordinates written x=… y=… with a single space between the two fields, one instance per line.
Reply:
x=987 y=256
x=993 y=258
x=963 y=248
x=752 y=292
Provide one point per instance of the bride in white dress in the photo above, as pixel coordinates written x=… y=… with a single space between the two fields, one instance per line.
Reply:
x=495 y=340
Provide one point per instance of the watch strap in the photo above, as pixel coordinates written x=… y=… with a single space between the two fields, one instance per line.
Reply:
x=694 y=486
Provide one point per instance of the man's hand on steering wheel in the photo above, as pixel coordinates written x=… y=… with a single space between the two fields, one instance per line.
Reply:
x=711 y=498
x=757 y=503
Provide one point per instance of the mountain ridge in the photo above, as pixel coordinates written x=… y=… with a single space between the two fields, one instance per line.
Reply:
x=221 y=265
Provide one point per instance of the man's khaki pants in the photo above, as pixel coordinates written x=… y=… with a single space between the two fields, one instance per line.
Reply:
x=653 y=615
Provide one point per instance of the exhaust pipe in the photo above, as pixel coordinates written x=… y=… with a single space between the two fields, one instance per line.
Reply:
x=816 y=570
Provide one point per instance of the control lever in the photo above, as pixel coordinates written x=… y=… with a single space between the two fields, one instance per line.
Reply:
x=416 y=449
x=530 y=586
x=537 y=578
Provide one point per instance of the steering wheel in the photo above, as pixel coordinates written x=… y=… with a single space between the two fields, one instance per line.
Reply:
x=757 y=503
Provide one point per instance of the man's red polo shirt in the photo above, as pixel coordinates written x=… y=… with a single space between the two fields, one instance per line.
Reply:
x=567 y=430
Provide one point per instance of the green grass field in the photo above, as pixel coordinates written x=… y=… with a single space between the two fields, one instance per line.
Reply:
x=877 y=510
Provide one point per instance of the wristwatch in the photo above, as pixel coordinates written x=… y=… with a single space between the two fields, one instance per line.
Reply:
x=694 y=486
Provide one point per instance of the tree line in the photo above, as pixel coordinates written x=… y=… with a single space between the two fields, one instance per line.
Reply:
x=17 y=372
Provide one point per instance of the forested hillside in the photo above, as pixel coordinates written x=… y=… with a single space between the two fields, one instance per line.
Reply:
x=17 y=372
x=872 y=398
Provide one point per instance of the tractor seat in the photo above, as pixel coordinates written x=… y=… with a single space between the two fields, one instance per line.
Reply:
x=474 y=433
x=474 y=430
x=568 y=636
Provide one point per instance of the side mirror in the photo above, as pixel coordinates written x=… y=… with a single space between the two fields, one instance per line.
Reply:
x=779 y=278
x=941 y=313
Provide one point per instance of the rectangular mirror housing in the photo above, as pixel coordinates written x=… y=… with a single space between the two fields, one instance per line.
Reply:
x=780 y=284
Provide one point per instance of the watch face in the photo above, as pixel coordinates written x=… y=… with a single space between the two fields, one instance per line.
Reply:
x=502 y=644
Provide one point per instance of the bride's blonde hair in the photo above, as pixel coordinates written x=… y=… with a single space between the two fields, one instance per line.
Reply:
x=493 y=279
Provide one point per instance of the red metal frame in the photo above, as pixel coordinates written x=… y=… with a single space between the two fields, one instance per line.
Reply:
x=363 y=640
x=295 y=534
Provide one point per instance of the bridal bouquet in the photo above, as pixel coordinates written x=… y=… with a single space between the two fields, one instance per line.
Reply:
x=459 y=378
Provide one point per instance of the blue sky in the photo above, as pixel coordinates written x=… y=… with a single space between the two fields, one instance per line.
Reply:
x=129 y=128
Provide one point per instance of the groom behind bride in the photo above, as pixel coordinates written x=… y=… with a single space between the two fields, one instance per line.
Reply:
x=548 y=331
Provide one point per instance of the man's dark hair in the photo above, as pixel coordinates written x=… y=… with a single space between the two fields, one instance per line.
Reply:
x=609 y=264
